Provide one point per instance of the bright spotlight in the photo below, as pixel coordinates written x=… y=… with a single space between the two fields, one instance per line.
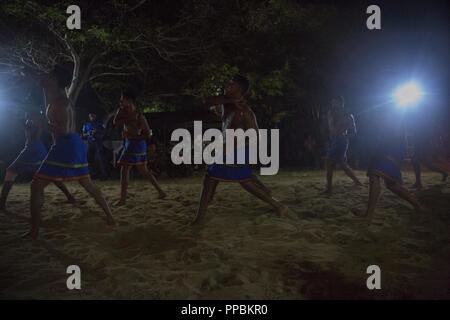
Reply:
x=408 y=94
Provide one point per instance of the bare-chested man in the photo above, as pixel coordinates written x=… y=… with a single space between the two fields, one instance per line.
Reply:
x=236 y=114
x=136 y=131
x=341 y=126
x=29 y=159
x=427 y=145
x=67 y=158
x=386 y=164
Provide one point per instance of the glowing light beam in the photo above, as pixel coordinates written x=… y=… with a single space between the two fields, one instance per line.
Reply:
x=408 y=94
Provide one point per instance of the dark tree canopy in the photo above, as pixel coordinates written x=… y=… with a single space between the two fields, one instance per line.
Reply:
x=297 y=54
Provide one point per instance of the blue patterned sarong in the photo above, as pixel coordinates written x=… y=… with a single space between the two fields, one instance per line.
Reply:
x=232 y=172
x=337 y=150
x=134 y=152
x=29 y=159
x=66 y=160
x=386 y=162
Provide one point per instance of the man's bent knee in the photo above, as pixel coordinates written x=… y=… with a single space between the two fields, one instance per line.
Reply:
x=10 y=175
x=85 y=182
x=390 y=184
x=38 y=185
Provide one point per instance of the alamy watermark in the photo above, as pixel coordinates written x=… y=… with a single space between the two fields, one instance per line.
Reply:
x=251 y=147
x=373 y=22
x=74 y=20
x=74 y=280
x=374 y=280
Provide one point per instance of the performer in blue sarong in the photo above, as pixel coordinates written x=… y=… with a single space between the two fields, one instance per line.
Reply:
x=136 y=131
x=134 y=152
x=67 y=158
x=386 y=164
x=232 y=172
x=236 y=114
x=341 y=126
x=428 y=151
x=29 y=159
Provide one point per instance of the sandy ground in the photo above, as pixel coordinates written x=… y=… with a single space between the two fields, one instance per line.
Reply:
x=242 y=252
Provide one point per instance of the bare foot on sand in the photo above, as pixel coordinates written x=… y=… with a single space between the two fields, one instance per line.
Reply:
x=71 y=201
x=5 y=211
x=120 y=202
x=362 y=216
x=162 y=195
x=368 y=220
x=417 y=186
x=357 y=212
x=421 y=210
x=286 y=213
x=197 y=223
x=421 y=215
x=32 y=234
x=358 y=185
x=110 y=221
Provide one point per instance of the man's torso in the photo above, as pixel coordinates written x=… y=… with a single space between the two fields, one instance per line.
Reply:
x=32 y=132
x=133 y=128
x=339 y=123
x=60 y=117
x=237 y=117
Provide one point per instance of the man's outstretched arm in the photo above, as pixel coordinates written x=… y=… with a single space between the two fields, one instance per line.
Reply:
x=145 y=127
x=217 y=100
x=351 y=127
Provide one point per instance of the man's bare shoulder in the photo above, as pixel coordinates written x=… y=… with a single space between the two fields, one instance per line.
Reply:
x=249 y=115
x=248 y=109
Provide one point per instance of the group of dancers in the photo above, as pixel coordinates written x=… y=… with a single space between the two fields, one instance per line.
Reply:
x=67 y=158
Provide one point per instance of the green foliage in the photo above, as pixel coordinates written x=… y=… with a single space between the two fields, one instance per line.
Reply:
x=156 y=105
x=272 y=84
x=213 y=79
x=99 y=34
x=278 y=44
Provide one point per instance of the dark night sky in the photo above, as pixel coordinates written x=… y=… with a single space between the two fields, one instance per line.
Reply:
x=413 y=44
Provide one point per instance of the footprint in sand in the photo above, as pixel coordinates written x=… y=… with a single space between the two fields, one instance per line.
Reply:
x=312 y=234
x=80 y=203
x=231 y=280
x=188 y=202
x=410 y=246
x=179 y=198
x=60 y=237
x=167 y=205
x=307 y=214
x=423 y=234
x=343 y=237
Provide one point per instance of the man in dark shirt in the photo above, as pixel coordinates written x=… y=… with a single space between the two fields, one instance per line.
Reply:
x=93 y=132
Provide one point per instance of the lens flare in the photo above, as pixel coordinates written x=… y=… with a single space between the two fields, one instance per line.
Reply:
x=408 y=94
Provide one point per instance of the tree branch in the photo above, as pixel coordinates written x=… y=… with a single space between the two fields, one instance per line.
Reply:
x=104 y=74
x=136 y=6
